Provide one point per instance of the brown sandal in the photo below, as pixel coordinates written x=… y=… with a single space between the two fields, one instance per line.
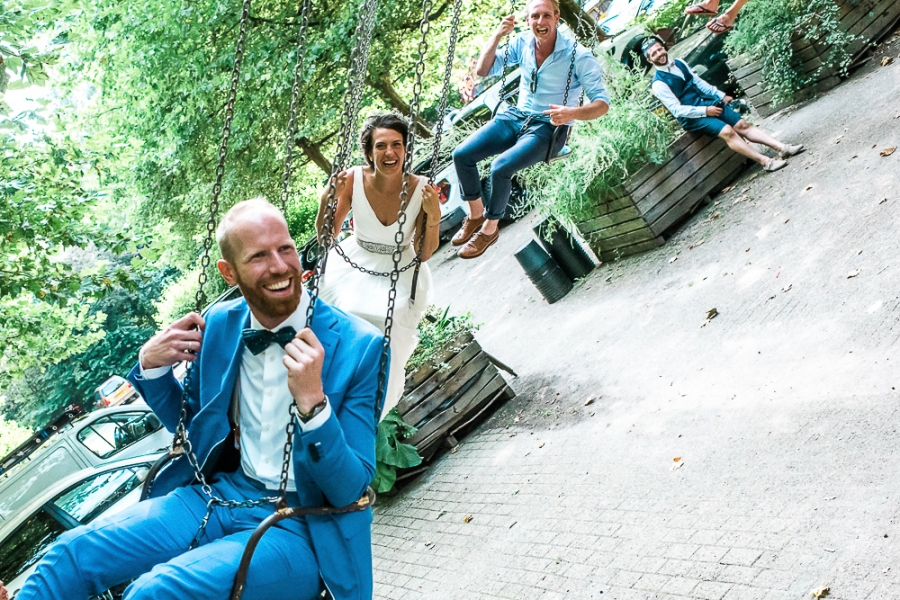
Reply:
x=697 y=9
x=717 y=27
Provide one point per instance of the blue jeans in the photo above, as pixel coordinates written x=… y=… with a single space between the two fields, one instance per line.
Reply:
x=150 y=539
x=519 y=143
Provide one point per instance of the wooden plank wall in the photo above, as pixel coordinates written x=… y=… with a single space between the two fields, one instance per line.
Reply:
x=868 y=19
x=658 y=197
x=443 y=397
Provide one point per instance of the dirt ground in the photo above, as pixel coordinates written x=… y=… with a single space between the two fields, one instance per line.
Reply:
x=782 y=409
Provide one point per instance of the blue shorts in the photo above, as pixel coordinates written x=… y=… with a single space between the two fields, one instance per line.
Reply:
x=713 y=125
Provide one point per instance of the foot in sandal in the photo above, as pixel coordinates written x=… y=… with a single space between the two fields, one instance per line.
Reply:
x=774 y=164
x=718 y=25
x=703 y=8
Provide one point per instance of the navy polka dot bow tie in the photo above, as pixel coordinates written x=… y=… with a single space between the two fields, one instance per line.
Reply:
x=257 y=340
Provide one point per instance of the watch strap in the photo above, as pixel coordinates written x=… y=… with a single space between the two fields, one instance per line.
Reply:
x=309 y=416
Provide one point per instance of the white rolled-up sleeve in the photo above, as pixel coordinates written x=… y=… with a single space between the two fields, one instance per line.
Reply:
x=671 y=102
x=590 y=76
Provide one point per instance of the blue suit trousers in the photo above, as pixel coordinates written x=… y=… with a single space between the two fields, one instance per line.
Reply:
x=149 y=541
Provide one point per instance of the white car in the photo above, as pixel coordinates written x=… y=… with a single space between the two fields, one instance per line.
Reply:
x=90 y=441
x=69 y=502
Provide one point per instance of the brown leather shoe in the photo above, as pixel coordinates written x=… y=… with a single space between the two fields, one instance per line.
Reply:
x=467 y=230
x=478 y=244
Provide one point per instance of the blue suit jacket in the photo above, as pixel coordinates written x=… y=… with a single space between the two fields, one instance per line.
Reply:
x=333 y=463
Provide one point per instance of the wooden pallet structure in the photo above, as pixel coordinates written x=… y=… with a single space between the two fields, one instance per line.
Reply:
x=657 y=198
x=450 y=394
x=868 y=20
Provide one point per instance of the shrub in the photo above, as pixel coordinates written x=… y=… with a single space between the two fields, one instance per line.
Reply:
x=436 y=331
x=764 y=32
x=670 y=16
x=391 y=452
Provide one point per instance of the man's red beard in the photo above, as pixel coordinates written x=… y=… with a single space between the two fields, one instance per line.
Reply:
x=273 y=308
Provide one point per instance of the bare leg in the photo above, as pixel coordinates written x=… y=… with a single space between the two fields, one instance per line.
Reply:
x=490 y=226
x=476 y=209
x=728 y=17
x=757 y=135
x=712 y=5
x=740 y=145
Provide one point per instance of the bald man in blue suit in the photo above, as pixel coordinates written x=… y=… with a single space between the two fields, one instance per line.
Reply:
x=241 y=389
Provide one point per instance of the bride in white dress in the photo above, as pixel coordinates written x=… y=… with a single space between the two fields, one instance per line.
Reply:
x=373 y=193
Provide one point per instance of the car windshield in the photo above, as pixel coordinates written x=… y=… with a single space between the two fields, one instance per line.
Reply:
x=111 y=386
x=79 y=505
x=108 y=435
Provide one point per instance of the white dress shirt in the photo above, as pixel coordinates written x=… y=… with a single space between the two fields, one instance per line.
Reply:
x=264 y=403
x=671 y=101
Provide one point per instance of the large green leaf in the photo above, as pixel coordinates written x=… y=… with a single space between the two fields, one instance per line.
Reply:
x=385 y=477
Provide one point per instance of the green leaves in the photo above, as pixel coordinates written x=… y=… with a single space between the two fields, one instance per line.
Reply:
x=765 y=31
x=436 y=330
x=391 y=452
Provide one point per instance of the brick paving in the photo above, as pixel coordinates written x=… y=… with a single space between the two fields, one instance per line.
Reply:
x=782 y=409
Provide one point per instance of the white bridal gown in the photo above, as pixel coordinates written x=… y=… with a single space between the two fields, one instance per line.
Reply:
x=366 y=296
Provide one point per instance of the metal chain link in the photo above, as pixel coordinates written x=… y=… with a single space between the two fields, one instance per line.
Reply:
x=352 y=98
x=181 y=434
x=445 y=92
x=295 y=94
x=344 y=151
x=512 y=11
x=442 y=107
x=181 y=440
x=340 y=252
x=289 y=430
x=578 y=27
x=424 y=27
x=230 y=505
x=359 y=58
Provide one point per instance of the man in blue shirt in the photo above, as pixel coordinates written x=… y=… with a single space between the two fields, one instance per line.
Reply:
x=522 y=135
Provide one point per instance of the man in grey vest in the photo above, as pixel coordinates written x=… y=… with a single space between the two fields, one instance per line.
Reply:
x=700 y=107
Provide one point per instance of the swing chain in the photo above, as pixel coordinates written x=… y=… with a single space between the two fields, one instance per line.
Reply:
x=512 y=10
x=358 y=66
x=359 y=57
x=416 y=261
x=200 y=297
x=340 y=251
x=289 y=430
x=213 y=502
x=578 y=27
x=424 y=27
x=445 y=94
x=295 y=94
x=181 y=435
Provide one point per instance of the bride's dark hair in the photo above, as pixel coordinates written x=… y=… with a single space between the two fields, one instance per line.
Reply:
x=375 y=121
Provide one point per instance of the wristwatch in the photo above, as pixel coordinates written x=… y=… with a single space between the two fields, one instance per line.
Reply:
x=306 y=417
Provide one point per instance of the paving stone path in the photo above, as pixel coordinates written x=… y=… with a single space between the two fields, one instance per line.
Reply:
x=782 y=410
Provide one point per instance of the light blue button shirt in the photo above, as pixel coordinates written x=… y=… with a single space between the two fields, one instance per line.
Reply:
x=552 y=76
